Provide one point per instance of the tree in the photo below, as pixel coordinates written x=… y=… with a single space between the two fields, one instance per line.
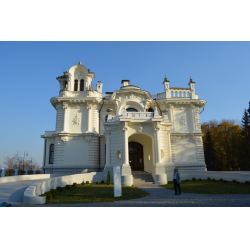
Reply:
x=108 y=178
x=209 y=152
x=244 y=155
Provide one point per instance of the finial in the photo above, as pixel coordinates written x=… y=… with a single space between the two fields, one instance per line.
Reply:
x=80 y=63
x=165 y=79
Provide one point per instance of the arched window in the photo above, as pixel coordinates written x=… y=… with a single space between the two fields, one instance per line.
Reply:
x=51 y=154
x=76 y=85
x=131 y=110
x=150 y=110
x=82 y=85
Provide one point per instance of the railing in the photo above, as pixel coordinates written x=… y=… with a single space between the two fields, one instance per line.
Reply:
x=175 y=93
x=139 y=115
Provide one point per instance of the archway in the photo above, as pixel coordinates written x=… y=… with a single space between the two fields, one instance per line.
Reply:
x=136 y=156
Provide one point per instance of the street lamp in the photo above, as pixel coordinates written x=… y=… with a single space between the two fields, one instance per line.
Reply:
x=24 y=157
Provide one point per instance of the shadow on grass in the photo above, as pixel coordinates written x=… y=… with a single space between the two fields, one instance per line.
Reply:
x=211 y=187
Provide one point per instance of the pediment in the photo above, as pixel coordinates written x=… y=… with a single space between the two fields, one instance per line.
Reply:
x=131 y=93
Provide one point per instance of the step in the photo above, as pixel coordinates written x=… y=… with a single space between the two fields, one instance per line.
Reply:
x=141 y=178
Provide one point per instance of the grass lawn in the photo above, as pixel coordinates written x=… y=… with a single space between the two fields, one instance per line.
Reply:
x=93 y=193
x=211 y=187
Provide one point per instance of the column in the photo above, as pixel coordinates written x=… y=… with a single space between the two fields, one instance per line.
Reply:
x=169 y=148
x=65 y=106
x=89 y=117
x=108 y=149
x=158 y=151
x=125 y=139
x=192 y=114
x=171 y=113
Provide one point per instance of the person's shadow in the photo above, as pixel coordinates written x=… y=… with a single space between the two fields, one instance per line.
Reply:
x=17 y=196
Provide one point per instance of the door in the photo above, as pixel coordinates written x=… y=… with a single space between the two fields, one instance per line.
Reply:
x=136 y=156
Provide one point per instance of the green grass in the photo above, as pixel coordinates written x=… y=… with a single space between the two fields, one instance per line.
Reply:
x=94 y=193
x=211 y=187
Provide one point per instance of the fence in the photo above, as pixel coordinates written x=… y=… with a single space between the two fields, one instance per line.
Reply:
x=14 y=172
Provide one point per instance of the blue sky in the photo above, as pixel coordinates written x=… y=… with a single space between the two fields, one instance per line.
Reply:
x=29 y=71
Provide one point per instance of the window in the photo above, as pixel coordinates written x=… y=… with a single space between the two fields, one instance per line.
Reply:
x=51 y=154
x=65 y=84
x=76 y=85
x=131 y=110
x=82 y=85
x=106 y=118
x=150 y=110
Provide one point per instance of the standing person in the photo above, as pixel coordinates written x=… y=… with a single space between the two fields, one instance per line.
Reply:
x=177 y=181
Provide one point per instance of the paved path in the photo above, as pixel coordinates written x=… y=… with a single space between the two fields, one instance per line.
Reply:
x=12 y=192
x=161 y=197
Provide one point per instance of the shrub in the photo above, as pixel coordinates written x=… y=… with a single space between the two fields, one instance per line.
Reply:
x=53 y=195
x=237 y=182
x=193 y=179
x=247 y=182
x=199 y=179
x=47 y=193
x=48 y=197
x=233 y=181
x=108 y=179
x=83 y=183
x=87 y=182
x=209 y=179
x=59 y=189
x=225 y=181
x=52 y=191
x=74 y=184
x=186 y=179
x=213 y=180
x=221 y=180
x=102 y=182
x=97 y=182
x=67 y=186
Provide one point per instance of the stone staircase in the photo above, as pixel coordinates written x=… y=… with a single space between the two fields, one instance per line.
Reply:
x=141 y=178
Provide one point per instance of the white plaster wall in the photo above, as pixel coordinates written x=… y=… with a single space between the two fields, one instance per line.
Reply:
x=147 y=144
x=95 y=118
x=116 y=139
x=164 y=146
x=76 y=151
x=185 y=151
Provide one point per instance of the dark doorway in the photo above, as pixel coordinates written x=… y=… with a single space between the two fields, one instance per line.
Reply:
x=136 y=156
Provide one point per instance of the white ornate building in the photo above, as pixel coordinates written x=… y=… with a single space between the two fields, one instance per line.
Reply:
x=128 y=127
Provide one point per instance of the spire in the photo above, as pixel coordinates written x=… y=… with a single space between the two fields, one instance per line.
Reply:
x=191 y=80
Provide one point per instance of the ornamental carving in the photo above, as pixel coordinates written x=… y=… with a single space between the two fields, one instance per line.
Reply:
x=182 y=121
x=65 y=105
x=140 y=128
x=125 y=126
x=76 y=120
x=65 y=138
x=88 y=138
x=88 y=105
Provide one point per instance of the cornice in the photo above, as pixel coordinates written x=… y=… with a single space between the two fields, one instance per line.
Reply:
x=55 y=100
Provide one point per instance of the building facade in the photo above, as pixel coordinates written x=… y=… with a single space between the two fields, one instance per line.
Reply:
x=128 y=127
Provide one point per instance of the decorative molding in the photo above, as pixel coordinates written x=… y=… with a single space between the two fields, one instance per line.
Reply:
x=174 y=138
x=76 y=106
x=76 y=120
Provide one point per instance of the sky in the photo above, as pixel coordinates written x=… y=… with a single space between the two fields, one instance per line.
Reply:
x=29 y=70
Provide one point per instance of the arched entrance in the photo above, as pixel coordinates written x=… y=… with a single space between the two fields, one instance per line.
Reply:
x=136 y=156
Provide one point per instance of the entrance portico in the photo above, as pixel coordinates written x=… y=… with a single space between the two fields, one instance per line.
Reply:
x=138 y=143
